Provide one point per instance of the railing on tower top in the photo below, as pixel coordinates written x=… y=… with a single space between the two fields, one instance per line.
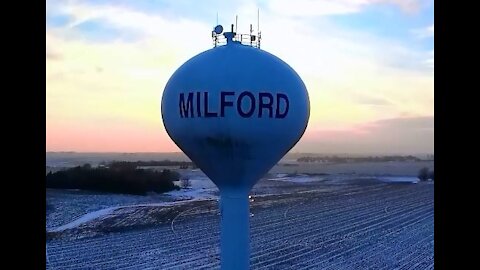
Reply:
x=245 y=39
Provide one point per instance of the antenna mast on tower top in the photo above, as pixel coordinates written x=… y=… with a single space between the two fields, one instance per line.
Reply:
x=236 y=23
x=221 y=38
x=258 y=27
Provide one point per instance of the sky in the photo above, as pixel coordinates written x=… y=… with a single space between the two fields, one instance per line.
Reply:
x=367 y=65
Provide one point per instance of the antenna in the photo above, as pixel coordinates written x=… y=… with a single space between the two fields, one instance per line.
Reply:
x=252 y=37
x=251 y=31
x=258 y=21
x=258 y=28
x=233 y=35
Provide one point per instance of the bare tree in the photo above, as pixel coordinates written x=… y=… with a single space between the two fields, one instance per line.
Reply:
x=423 y=174
x=185 y=182
x=431 y=176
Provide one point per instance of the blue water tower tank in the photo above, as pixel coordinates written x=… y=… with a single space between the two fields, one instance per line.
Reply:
x=235 y=110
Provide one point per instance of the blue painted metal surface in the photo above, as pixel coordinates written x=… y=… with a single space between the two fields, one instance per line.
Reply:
x=235 y=111
x=235 y=230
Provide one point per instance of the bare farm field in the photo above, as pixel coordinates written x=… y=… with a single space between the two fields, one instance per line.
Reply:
x=326 y=223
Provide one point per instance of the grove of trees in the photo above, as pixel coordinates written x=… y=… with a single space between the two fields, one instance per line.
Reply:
x=424 y=174
x=151 y=163
x=118 y=177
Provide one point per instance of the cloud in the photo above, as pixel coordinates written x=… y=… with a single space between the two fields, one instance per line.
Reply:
x=429 y=61
x=53 y=55
x=411 y=124
x=396 y=135
x=314 y=8
x=409 y=6
x=371 y=100
x=334 y=7
x=338 y=42
x=425 y=32
x=352 y=77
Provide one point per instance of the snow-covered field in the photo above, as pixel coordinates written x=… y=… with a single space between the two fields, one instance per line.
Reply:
x=300 y=178
x=299 y=222
x=65 y=206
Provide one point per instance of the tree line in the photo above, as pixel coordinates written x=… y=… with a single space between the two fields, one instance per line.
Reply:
x=336 y=159
x=151 y=163
x=118 y=177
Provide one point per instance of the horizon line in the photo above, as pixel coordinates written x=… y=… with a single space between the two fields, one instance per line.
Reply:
x=180 y=152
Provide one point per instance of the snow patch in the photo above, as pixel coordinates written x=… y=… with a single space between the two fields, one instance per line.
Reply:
x=301 y=178
x=85 y=218
x=399 y=179
x=200 y=188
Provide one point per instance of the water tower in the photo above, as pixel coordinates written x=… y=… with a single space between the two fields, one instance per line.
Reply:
x=235 y=110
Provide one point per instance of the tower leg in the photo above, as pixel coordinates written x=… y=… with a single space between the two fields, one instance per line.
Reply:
x=235 y=231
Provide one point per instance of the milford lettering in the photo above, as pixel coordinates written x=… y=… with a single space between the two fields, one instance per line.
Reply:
x=246 y=104
x=184 y=109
